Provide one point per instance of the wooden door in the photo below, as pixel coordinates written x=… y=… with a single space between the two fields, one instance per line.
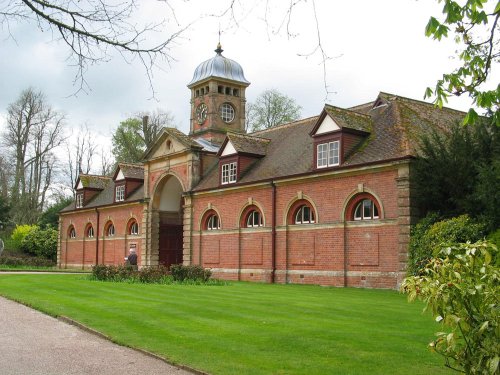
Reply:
x=170 y=251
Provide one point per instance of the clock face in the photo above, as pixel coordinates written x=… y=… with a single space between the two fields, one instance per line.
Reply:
x=201 y=113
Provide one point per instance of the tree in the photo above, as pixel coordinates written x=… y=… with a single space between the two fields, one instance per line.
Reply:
x=475 y=29
x=33 y=131
x=50 y=216
x=90 y=27
x=459 y=173
x=461 y=287
x=134 y=135
x=271 y=108
x=81 y=150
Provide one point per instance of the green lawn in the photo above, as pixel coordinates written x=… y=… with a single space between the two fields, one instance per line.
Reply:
x=245 y=328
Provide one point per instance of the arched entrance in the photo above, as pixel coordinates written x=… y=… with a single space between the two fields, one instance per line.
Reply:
x=168 y=202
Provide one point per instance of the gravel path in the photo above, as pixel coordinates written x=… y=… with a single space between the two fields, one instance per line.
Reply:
x=36 y=344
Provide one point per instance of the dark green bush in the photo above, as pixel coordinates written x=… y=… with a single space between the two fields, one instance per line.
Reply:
x=153 y=274
x=428 y=237
x=26 y=261
x=112 y=273
x=194 y=273
x=41 y=242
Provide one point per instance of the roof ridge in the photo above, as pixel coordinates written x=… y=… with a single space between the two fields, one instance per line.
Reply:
x=405 y=98
x=286 y=125
x=348 y=110
x=132 y=164
x=248 y=136
x=94 y=175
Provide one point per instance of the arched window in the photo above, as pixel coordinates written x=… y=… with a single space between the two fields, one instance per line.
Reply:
x=133 y=228
x=72 y=232
x=254 y=219
x=366 y=209
x=90 y=231
x=110 y=230
x=304 y=214
x=213 y=222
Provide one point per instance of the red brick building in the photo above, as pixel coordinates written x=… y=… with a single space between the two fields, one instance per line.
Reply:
x=325 y=200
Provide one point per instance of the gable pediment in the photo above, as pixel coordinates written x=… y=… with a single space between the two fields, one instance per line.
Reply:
x=79 y=185
x=170 y=141
x=120 y=176
x=228 y=149
x=327 y=125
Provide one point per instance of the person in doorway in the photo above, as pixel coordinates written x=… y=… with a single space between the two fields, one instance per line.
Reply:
x=131 y=260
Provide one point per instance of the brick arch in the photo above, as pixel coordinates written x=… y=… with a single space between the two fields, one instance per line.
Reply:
x=294 y=203
x=71 y=227
x=160 y=183
x=87 y=227
x=355 y=197
x=106 y=228
x=245 y=210
x=130 y=221
x=206 y=214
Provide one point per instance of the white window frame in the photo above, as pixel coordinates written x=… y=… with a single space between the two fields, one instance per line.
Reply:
x=227 y=112
x=79 y=200
x=72 y=233
x=254 y=219
x=120 y=193
x=229 y=173
x=359 y=211
x=90 y=232
x=213 y=222
x=299 y=215
x=328 y=154
x=134 y=228
x=111 y=231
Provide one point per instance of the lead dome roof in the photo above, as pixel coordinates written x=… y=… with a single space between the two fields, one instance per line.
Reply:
x=220 y=67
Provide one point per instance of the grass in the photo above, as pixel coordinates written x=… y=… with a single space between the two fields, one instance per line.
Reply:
x=246 y=328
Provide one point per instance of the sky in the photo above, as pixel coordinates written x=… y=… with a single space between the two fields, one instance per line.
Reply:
x=374 y=46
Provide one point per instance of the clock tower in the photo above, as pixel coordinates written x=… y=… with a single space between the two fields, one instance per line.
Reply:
x=217 y=98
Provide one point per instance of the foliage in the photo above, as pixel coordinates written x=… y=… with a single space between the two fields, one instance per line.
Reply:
x=19 y=233
x=462 y=289
x=271 y=108
x=41 y=242
x=153 y=274
x=193 y=272
x=4 y=210
x=50 y=216
x=459 y=173
x=494 y=237
x=134 y=135
x=430 y=235
x=475 y=28
x=128 y=147
x=19 y=261
x=127 y=273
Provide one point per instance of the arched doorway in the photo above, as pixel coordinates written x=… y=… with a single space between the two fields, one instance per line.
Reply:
x=168 y=202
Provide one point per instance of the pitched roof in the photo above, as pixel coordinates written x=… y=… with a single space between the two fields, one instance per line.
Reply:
x=175 y=133
x=246 y=144
x=91 y=181
x=129 y=170
x=394 y=132
x=349 y=119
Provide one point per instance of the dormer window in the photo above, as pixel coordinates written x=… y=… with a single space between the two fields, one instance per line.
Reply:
x=79 y=200
x=120 y=193
x=229 y=173
x=328 y=154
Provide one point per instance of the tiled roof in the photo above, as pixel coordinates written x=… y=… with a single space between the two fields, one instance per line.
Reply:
x=91 y=181
x=248 y=144
x=107 y=197
x=394 y=130
x=349 y=119
x=130 y=170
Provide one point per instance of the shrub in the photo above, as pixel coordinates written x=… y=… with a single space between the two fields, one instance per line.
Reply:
x=41 y=242
x=495 y=238
x=112 y=273
x=462 y=289
x=26 y=261
x=429 y=236
x=153 y=274
x=19 y=233
x=194 y=273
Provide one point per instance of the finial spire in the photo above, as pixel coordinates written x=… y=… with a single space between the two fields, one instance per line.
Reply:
x=219 y=49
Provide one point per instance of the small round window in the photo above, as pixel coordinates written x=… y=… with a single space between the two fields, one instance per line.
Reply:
x=227 y=112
